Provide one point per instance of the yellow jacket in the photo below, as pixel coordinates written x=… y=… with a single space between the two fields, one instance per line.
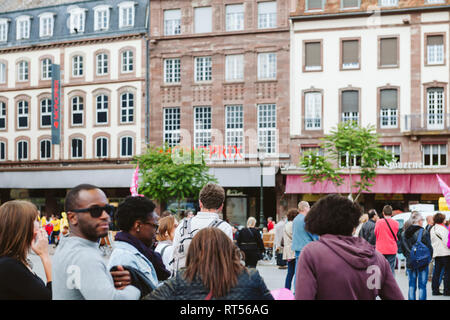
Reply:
x=64 y=221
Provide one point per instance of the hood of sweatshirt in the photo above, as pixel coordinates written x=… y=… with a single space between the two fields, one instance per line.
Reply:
x=412 y=229
x=356 y=251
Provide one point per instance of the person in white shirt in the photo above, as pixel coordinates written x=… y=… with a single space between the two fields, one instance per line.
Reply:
x=166 y=233
x=441 y=255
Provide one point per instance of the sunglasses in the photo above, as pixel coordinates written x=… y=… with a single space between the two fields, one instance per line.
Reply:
x=97 y=211
x=154 y=225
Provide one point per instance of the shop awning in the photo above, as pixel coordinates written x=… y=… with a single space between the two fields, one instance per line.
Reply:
x=384 y=183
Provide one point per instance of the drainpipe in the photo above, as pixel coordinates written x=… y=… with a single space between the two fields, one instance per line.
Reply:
x=147 y=79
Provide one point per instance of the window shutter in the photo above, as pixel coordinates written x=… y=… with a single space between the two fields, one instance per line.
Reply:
x=350 y=51
x=350 y=101
x=313 y=54
x=388 y=99
x=388 y=52
x=435 y=40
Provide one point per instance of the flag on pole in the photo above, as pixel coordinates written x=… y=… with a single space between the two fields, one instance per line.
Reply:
x=134 y=183
x=445 y=190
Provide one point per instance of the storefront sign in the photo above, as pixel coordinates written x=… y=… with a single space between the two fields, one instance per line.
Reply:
x=56 y=104
x=404 y=165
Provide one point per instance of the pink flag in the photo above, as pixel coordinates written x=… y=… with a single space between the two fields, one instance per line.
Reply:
x=282 y=294
x=445 y=190
x=134 y=183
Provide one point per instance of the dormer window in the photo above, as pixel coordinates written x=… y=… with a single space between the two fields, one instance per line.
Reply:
x=101 y=17
x=23 y=24
x=46 y=24
x=126 y=14
x=77 y=20
x=4 y=30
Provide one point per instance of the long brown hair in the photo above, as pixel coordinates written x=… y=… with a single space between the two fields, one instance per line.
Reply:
x=17 y=228
x=215 y=260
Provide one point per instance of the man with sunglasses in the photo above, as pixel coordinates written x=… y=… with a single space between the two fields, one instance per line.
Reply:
x=79 y=271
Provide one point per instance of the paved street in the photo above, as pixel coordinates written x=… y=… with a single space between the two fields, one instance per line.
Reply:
x=275 y=277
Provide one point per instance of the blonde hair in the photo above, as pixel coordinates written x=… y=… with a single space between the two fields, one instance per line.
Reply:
x=166 y=225
x=303 y=205
x=364 y=218
x=251 y=222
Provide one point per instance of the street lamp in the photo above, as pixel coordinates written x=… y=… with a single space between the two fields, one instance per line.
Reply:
x=261 y=156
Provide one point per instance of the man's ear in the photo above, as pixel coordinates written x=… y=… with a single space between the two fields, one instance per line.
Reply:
x=220 y=208
x=72 y=217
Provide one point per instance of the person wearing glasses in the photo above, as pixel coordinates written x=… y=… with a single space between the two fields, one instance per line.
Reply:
x=79 y=270
x=138 y=223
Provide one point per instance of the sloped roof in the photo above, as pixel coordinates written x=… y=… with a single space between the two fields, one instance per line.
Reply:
x=14 y=5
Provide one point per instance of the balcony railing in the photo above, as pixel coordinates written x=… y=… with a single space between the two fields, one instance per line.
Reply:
x=427 y=122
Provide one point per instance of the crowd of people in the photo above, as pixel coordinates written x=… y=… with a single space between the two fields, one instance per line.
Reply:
x=330 y=251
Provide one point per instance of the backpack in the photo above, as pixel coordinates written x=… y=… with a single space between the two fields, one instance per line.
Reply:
x=181 y=249
x=420 y=255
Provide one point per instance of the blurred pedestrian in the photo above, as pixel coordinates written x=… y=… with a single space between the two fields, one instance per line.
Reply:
x=339 y=266
x=430 y=223
x=441 y=254
x=277 y=242
x=20 y=232
x=368 y=229
x=288 y=253
x=270 y=224
x=166 y=213
x=56 y=229
x=166 y=233
x=213 y=271
x=362 y=220
x=251 y=244
x=386 y=230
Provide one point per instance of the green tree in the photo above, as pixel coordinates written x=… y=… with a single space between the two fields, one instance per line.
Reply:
x=172 y=173
x=347 y=146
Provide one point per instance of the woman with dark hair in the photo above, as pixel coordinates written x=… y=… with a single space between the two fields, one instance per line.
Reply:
x=288 y=253
x=20 y=232
x=339 y=266
x=213 y=271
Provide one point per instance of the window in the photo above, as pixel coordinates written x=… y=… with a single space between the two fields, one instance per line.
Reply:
x=22 y=71
x=46 y=149
x=46 y=25
x=126 y=147
x=234 y=67
x=389 y=52
x=350 y=4
x=22 y=150
x=4 y=30
x=126 y=14
x=434 y=1
x=435 y=108
x=77 y=66
x=395 y=150
x=203 y=69
x=2 y=151
x=23 y=27
x=350 y=106
x=46 y=113
x=22 y=114
x=234 y=17
x=101 y=147
x=77 y=111
x=172 y=126
x=434 y=155
x=267 y=123
x=77 y=20
x=172 y=70
x=315 y=150
x=126 y=107
x=101 y=18
x=2 y=73
x=314 y=5
x=202 y=127
x=350 y=54
x=102 y=64
x=435 y=49
x=102 y=109
x=267 y=66
x=313 y=110
x=127 y=61
x=2 y=115
x=388 y=108
x=346 y=160
x=46 y=71
x=77 y=148
x=172 y=22
x=388 y=3
x=234 y=127
x=203 y=20
x=267 y=15
x=313 y=56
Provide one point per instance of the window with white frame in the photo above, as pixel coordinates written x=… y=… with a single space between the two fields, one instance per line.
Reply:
x=126 y=107
x=267 y=65
x=2 y=151
x=388 y=108
x=102 y=64
x=315 y=150
x=350 y=4
x=77 y=105
x=22 y=71
x=2 y=72
x=172 y=124
x=202 y=126
x=172 y=70
x=234 y=67
x=434 y=1
x=234 y=127
x=434 y=155
x=2 y=115
x=23 y=25
x=46 y=149
x=126 y=14
x=4 y=30
x=435 y=49
x=101 y=147
x=388 y=3
x=395 y=151
x=172 y=22
x=46 y=21
x=267 y=124
x=101 y=17
x=350 y=106
x=22 y=114
x=435 y=108
x=313 y=110
x=314 y=5
x=22 y=150
x=267 y=14
x=203 y=69
x=126 y=146
x=77 y=20
x=46 y=113
x=127 y=61
x=347 y=160
x=77 y=66
x=234 y=17
x=46 y=69
x=202 y=19
x=77 y=148
x=102 y=109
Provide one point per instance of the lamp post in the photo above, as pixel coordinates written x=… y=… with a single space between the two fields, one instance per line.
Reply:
x=261 y=156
